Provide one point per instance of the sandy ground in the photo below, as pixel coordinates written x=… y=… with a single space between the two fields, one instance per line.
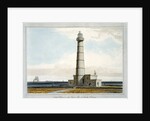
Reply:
x=74 y=90
x=43 y=90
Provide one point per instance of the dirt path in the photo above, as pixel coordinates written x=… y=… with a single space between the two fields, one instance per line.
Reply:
x=59 y=91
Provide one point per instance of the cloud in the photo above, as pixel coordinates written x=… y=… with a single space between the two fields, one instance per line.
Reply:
x=63 y=69
x=66 y=61
x=94 y=34
x=103 y=59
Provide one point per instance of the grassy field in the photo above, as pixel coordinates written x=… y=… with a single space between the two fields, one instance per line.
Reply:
x=78 y=90
x=43 y=90
x=94 y=91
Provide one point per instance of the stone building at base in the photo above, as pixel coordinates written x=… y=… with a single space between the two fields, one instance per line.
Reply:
x=86 y=81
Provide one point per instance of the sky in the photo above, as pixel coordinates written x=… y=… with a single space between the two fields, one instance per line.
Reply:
x=51 y=52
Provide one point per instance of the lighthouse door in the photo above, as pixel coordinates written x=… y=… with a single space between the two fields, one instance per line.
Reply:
x=83 y=81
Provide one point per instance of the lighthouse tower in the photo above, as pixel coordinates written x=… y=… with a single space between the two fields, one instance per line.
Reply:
x=80 y=78
x=80 y=69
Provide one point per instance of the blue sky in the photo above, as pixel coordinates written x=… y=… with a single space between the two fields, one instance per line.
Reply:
x=45 y=45
x=51 y=52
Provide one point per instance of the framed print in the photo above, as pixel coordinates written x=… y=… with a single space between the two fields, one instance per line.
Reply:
x=57 y=57
x=74 y=60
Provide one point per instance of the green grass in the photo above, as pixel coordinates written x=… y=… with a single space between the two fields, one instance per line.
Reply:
x=94 y=91
x=43 y=90
x=106 y=89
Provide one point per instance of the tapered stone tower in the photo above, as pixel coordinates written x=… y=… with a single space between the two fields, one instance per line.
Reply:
x=80 y=78
x=80 y=69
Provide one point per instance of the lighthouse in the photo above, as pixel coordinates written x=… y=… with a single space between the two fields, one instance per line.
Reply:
x=80 y=78
x=80 y=69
